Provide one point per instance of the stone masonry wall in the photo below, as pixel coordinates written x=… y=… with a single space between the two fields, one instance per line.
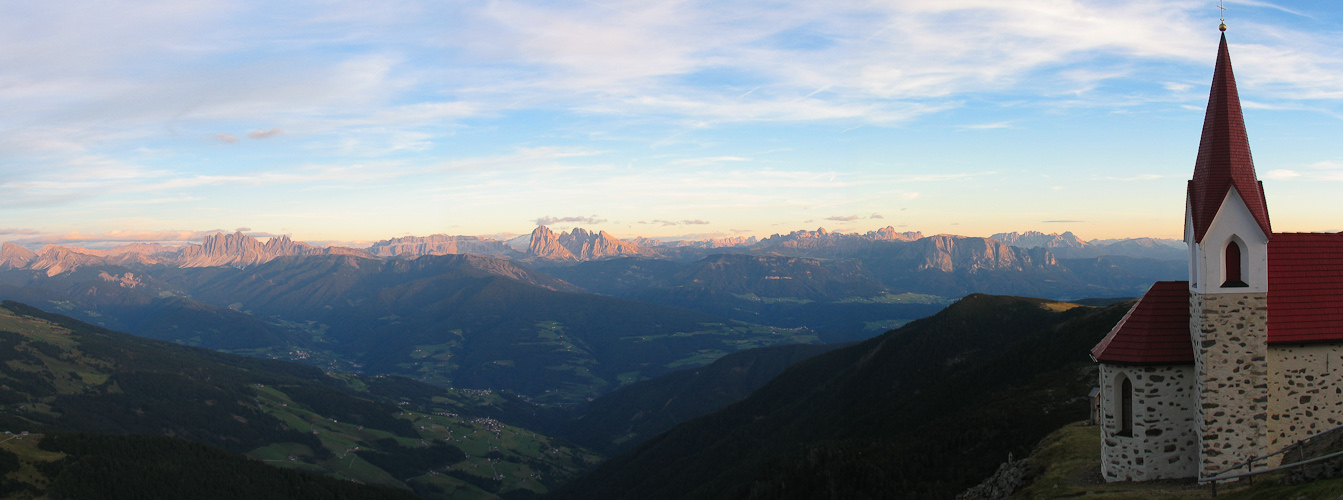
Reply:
x=1164 y=444
x=1230 y=353
x=1307 y=391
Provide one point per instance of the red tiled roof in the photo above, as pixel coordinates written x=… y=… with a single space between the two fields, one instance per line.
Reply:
x=1305 y=287
x=1224 y=158
x=1155 y=330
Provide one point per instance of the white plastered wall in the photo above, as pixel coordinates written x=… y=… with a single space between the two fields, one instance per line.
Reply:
x=1233 y=220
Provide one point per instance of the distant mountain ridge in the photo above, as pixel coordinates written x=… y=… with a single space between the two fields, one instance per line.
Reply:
x=944 y=265
x=217 y=250
x=580 y=245
x=1068 y=246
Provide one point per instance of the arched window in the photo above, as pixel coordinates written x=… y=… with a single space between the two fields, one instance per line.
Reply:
x=1125 y=407
x=1233 y=262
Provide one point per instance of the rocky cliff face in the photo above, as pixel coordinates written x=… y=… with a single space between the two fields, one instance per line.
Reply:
x=889 y=233
x=58 y=259
x=440 y=244
x=580 y=244
x=1033 y=239
x=823 y=239
x=727 y=242
x=586 y=245
x=546 y=245
x=236 y=250
x=950 y=253
x=15 y=256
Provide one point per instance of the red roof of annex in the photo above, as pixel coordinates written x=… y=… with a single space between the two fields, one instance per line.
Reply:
x=1305 y=305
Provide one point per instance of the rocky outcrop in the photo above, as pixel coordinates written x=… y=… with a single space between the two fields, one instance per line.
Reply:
x=236 y=250
x=1010 y=477
x=546 y=245
x=240 y=250
x=950 y=253
x=889 y=233
x=821 y=239
x=352 y=252
x=58 y=259
x=726 y=242
x=580 y=245
x=15 y=256
x=587 y=245
x=1033 y=239
x=439 y=244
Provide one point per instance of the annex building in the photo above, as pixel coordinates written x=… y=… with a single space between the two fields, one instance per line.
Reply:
x=1244 y=358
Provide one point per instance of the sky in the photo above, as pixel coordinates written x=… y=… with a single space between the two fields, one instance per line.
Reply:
x=342 y=122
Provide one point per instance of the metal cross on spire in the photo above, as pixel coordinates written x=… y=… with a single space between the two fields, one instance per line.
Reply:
x=1223 y=12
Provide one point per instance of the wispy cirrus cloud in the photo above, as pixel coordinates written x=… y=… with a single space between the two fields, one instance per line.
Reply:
x=661 y=222
x=548 y=220
x=987 y=126
x=851 y=218
x=264 y=134
x=112 y=238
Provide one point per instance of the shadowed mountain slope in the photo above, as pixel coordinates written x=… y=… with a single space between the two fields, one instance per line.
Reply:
x=630 y=415
x=62 y=374
x=921 y=412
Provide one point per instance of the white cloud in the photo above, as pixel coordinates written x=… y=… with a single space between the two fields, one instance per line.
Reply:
x=987 y=126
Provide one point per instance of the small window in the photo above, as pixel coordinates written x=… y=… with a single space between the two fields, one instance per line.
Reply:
x=1126 y=408
x=1233 y=262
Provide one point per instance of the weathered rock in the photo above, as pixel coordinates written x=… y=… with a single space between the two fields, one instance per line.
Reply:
x=1011 y=476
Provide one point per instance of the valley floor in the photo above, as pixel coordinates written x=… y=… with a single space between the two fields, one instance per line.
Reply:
x=1067 y=465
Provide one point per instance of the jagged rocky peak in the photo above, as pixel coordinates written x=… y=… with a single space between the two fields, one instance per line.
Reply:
x=240 y=250
x=546 y=244
x=724 y=242
x=440 y=244
x=580 y=244
x=889 y=233
x=15 y=256
x=586 y=245
x=948 y=253
x=55 y=259
x=1034 y=239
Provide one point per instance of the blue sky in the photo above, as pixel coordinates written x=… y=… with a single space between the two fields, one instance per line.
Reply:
x=351 y=122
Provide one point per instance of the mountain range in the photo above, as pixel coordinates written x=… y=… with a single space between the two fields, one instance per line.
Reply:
x=544 y=245
x=559 y=317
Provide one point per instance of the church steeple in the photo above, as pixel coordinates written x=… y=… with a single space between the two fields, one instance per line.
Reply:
x=1224 y=159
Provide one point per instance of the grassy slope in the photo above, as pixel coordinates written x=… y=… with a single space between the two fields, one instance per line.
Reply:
x=926 y=410
x=1067 y=464
x=58 y=373
x=81 y=465
x=632 y=414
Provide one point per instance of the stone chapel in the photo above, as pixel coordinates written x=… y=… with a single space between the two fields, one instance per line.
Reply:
x=1244 y=358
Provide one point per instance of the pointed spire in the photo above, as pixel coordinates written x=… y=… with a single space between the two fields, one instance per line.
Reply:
x=1224 y=159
